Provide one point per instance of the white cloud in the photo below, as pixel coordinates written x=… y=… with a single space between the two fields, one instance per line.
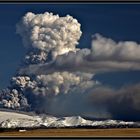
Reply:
x=107 y=49
x=48 y=32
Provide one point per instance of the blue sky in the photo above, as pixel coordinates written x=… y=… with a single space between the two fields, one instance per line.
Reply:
x=116 y=21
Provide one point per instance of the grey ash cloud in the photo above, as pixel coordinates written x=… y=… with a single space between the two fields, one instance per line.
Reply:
x=58 y=78
x=105 y=55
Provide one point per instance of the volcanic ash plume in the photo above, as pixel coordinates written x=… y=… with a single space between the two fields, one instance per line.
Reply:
x=49 y=33
x=57 y=78
x=47 y=36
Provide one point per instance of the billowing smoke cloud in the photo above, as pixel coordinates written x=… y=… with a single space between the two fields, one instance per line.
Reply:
x=105 y=55
x=50 y=33
x=57 y=78
x=12 y=98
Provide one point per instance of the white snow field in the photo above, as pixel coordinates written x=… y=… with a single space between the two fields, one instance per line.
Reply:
x=10 y=119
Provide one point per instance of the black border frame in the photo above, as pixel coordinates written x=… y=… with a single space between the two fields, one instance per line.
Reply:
x=71 y=2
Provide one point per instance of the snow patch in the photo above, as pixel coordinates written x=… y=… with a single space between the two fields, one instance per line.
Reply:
x=19 y=120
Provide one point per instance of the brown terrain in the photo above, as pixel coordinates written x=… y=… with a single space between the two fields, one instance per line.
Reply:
x=70 y=132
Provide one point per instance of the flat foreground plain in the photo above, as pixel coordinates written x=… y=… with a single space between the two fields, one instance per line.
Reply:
x=70 y=132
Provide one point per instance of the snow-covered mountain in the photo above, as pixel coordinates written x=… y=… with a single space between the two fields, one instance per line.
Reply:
x=19 y=120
